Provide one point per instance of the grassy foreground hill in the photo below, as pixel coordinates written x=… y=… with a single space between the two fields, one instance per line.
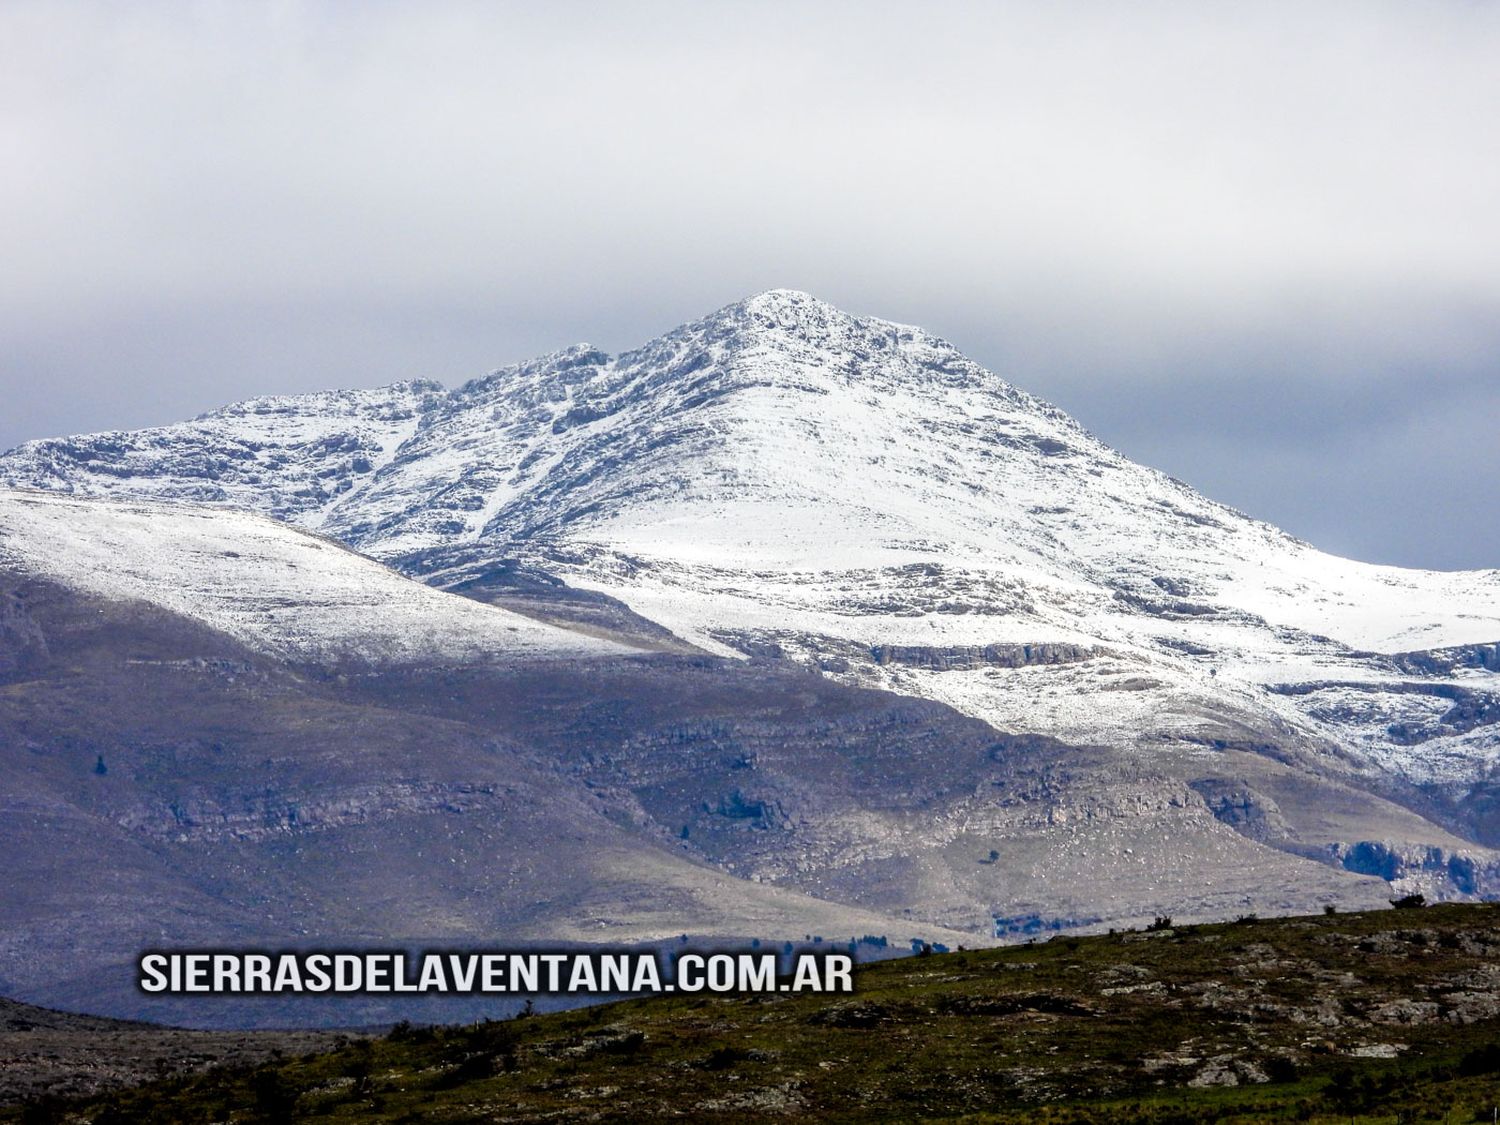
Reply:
x=1381 y=1016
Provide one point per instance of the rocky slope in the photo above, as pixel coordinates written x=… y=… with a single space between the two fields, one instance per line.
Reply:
x=47 y=1055
x=1391 y=1015
x=177 y=777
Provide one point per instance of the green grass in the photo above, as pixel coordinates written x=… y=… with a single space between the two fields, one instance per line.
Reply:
x=1038 y=1033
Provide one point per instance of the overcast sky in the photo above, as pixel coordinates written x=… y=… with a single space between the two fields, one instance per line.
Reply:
x=1254 y=245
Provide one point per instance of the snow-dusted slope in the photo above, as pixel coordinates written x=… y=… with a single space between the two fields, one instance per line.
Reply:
x=782 y=476
x=295 y=456
x=269 y=585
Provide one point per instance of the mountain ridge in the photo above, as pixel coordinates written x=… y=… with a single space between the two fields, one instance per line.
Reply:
x=783 y=482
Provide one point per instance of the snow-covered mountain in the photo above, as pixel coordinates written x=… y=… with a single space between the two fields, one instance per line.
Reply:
x=782 y=479
x=268 y=585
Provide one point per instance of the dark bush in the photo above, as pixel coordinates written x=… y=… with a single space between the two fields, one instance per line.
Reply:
x=472 y=1068
x=628 y=1044
x=405 y=1032
x=722 y=1058
x=1483 y=1060
x=47 y=1110
x=490 y=1036
x=274 y=1098
x=1279 y=1068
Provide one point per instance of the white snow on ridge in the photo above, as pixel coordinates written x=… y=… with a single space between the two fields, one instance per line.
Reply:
x=264 y=583
x=1374 y=608
x=783 y=474
x=298 y=456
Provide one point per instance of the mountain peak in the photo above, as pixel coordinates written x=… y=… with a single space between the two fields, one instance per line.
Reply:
x=795 y=322
x=790 y=308
x=783 y=300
